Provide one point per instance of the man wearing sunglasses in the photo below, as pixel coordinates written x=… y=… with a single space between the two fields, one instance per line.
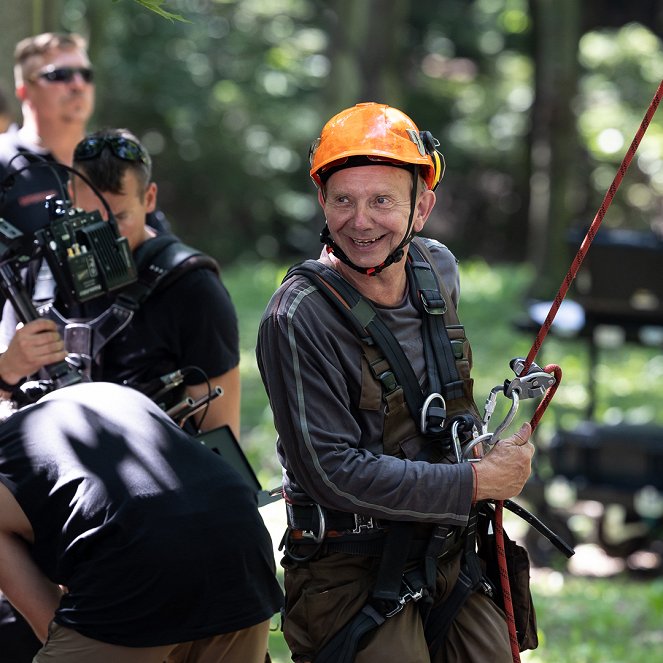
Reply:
x=54 y=83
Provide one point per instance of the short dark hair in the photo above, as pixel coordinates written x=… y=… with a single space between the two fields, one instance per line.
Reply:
x=106 y=170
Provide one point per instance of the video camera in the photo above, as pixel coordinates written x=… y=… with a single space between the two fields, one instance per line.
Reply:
x=86 y=255
x=87 y=258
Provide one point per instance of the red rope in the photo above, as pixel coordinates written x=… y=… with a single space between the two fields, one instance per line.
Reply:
x=593 y=229
x=499 y=524
x=556 y=370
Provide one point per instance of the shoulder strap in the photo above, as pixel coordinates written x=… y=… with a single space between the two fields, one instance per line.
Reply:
x=159 y=262
x=436 y=305
x=367 y=324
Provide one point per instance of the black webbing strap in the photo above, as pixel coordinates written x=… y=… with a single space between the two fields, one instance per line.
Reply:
x=470 y=576
x=368 y=325
x=440 y=359
x=392 y=563
x=385 y=598
x=161 y=261
x=343 y=646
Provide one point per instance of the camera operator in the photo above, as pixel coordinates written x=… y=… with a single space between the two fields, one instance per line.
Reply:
x=156 y=541
x=189 y=322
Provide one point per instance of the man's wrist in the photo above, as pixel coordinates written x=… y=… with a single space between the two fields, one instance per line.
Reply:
x=5 y=384
x=9 y=387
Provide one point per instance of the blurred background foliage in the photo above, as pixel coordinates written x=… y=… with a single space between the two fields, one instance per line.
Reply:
x=534 y=104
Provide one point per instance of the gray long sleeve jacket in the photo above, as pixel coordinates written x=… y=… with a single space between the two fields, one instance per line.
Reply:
x=329 y=447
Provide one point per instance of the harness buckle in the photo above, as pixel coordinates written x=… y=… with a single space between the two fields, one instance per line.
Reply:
x=410 y=594
x=363 y=523
x=433 y=306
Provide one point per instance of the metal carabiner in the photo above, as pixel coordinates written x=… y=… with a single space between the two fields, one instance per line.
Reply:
x=423 y=423
x=469 y=455
x=489 y=440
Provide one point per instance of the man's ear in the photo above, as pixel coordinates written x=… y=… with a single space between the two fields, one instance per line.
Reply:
x=423 y=209
x=151 y=197
x=321 y=197
x=21 y=92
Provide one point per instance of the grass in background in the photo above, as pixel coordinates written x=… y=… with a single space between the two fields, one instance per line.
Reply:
x=585 y=620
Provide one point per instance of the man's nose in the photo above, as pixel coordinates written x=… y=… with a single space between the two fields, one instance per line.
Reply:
x=361 y=217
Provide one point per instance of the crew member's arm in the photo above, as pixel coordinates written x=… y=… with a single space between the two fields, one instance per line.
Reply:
x=26 y=587
x=223 y=410
x=34 y=345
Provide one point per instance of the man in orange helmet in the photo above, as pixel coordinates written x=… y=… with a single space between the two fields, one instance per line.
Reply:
x=368 y=373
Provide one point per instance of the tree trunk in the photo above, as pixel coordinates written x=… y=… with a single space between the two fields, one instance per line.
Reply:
x=20 y=19
x=367 y=44
x=555 y=189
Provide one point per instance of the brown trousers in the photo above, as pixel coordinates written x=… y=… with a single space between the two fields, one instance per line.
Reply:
x=322 y=595
x=67 y=646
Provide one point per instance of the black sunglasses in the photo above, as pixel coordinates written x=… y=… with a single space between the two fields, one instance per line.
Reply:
x=123 y=148
x=65 y=74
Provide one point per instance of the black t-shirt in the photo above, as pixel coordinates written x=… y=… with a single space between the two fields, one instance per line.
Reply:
x=191 y=322
x=156 y=538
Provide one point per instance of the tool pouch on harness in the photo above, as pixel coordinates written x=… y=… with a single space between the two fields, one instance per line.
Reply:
x=518 y=566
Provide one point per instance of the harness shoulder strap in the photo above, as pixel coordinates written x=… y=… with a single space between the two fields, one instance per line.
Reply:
x=437 y=311
x=367 y=323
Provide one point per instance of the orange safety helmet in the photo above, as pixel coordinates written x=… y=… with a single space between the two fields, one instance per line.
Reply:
x=380 y=133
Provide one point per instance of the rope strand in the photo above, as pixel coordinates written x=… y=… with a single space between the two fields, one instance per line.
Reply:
x=556 y=370
x=593 y=229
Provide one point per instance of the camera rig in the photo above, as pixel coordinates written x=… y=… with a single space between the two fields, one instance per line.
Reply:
x=87 y=258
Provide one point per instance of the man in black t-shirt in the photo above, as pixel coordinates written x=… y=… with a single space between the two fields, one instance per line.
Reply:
x=122 y=537
x=190 y=322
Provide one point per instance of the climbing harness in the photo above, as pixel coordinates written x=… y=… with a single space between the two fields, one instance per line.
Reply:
x=448 y=416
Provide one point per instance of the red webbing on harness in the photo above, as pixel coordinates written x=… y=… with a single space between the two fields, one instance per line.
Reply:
x=556 y=370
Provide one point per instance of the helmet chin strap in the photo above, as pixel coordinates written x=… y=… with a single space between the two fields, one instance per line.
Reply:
x=395 y=256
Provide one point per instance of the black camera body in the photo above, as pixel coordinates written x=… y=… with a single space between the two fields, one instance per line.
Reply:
x=86 y=255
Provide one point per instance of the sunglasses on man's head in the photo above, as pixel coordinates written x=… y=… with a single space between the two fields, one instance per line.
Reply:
x=54 y=74
x=123 y=148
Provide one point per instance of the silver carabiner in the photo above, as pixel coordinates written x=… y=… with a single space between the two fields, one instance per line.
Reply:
x=423 y=423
